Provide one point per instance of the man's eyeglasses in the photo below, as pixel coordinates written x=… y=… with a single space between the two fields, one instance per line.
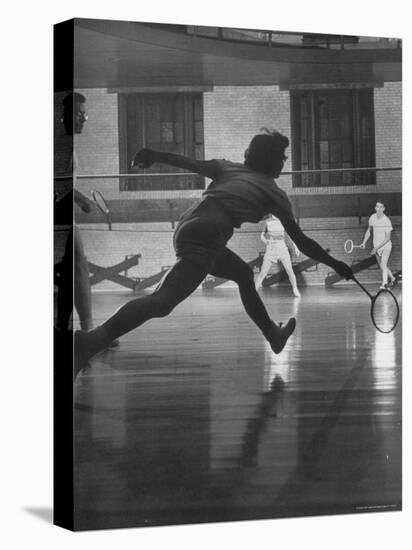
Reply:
x=82 y=115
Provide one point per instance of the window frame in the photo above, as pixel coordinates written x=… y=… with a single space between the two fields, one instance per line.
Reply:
x=363 y=156
x=129 y=115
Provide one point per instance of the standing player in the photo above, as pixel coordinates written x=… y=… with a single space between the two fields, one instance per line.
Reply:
x=382 y=244
x=238 y=193
x=73 y=119
x=273 y=236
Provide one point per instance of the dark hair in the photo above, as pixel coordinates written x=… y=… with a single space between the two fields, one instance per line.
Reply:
x=266 y=152
x=72 y=98
x=71 y=104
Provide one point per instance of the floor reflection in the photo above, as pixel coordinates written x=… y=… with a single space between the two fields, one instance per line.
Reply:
x=211 y=425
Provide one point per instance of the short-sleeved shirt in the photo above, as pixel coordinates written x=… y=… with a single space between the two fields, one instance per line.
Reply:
x=380 y=227
x=246 y=195
x=275 y=229
x=276 y=248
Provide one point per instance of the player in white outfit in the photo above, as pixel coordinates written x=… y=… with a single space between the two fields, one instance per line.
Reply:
x=382 y=244
x=273 y=237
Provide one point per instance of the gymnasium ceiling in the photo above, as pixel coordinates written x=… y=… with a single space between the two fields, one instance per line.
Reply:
x=121 y=55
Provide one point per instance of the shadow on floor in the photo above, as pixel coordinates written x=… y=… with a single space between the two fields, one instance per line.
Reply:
x=45 y=514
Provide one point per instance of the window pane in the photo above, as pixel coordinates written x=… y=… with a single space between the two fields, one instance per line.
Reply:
x=165 y=122
x=324 y=128
x=153 y=131
x=324 y=180
x=345 y=125
x=166 y=108
x=335 y=158
x=329 y=132
x=199 y=152
x=304 y=129
x=304 y=155
x=167 y=132
x=198 y=108
x=304 y=106
x=324 y=154
x=199 y=131
x=179 y=132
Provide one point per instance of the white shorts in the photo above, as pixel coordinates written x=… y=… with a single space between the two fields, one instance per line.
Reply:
x=277 y=250
x=388 y=247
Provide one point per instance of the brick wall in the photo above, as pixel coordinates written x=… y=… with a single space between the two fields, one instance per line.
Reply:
x=388 y=134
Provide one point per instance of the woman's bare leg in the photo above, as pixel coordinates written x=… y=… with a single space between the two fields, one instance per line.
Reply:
x=230 y=266
x=287 y=264
x=180 y=281
x=264 y=270
x=386 y=272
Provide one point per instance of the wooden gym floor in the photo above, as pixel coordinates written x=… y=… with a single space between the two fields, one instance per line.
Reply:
x=194 y=419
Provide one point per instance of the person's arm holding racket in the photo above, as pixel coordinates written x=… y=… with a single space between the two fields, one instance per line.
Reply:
x=311 y=248
x=146 y=157
x=296 y=250
x=263 y=238
x=101 y=204
x=366 y=237
x=386 y=240
x=291 y=245
x=83 y=202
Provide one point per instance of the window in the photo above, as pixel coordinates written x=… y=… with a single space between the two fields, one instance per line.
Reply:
x=333 y=129
x=171 y=122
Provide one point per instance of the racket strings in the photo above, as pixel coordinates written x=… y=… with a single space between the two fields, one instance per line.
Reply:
x=348 y=246
x=385 y=311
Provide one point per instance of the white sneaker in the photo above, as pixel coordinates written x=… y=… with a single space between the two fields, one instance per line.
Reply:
x=296 y=293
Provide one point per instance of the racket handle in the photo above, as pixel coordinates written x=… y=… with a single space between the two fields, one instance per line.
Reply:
x=360 y=285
